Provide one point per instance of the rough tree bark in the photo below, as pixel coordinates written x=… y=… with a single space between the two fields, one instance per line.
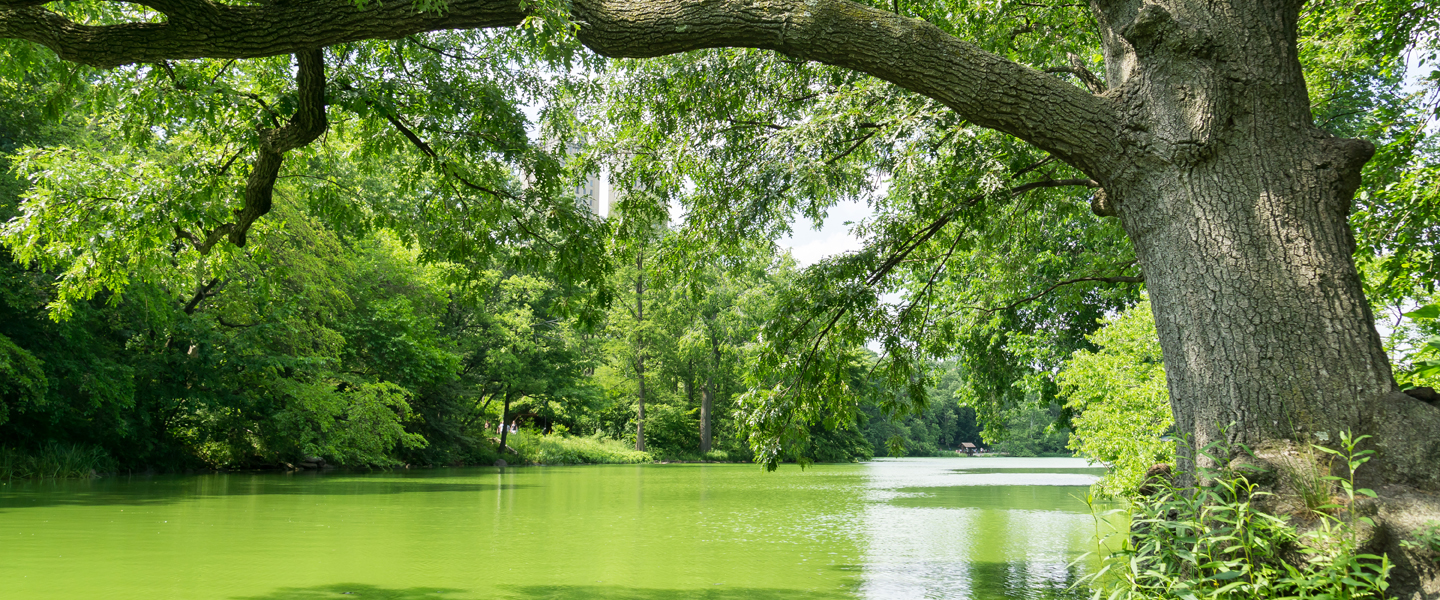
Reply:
x=1203 y=143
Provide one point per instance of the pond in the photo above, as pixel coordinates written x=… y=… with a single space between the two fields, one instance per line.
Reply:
x=981 y=528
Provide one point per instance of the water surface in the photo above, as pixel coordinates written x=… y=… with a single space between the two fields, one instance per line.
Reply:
x=981 y=528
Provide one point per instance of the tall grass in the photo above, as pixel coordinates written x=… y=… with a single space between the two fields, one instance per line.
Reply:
x=1311 y=488
x=566 y=450
x=54 y=461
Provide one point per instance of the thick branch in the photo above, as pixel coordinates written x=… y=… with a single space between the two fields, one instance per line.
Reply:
x=984 y=88
x=201 y=293
x=307 y=124
x=204 y=29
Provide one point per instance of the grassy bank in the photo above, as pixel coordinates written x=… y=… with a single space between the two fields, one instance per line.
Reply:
x=54 y=461
x=567 y=450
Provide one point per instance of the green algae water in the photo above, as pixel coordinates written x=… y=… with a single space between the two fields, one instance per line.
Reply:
x=981 y=528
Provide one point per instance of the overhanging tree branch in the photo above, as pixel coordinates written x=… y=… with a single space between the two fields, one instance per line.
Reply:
x=204 y=29
x=923 y=235
x=304 y=126
x=986 y=89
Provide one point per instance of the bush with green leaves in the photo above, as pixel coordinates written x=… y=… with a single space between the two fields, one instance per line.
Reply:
x=1210 y=541
x=1029 y=430
x=22 y=380
x=559 y=449
x=1120 y=401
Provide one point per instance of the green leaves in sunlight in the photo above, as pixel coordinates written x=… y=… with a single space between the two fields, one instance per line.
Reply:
x=1420 y=367
x=1120 y=400
x=102 y=219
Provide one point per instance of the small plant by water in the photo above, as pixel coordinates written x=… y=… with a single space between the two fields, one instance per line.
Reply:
x=1210 y=541
x=54 y=461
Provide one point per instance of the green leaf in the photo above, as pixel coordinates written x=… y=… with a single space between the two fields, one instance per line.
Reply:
x=1429 y=311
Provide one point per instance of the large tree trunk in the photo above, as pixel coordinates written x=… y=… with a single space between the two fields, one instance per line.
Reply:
x=1238 y=208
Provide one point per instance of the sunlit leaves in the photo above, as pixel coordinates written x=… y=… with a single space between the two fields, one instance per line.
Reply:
x=1119 y=394
x=104 y=217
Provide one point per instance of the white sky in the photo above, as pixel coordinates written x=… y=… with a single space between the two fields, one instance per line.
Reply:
x=808 y=244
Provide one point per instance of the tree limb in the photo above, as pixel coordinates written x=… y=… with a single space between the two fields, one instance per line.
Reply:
x=204 y=29
x=201 y=293
x=919 y=238
x=986 y=89
x=1078 y=69
x=308 y=123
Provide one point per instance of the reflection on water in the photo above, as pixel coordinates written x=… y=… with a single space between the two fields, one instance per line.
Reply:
x=981 y=528
x=1096 y=471
x=1049 y=498
x=1007 y=531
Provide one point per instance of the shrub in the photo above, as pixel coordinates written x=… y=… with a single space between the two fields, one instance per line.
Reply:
x=1120 y=400
x=671 y=431
x=1211 y=542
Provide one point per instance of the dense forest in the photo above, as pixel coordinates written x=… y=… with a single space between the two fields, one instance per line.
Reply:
x=348 y=344
x=419 y=273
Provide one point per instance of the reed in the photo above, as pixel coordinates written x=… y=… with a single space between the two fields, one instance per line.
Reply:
x=54 y=461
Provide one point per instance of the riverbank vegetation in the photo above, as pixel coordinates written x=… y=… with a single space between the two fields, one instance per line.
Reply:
x=1222 y=537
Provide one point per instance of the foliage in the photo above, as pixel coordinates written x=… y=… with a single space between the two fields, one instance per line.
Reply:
x=22 y=380
x=557 y=449
x=348 y=423
x=1118 y=395
x=1212 y=541
x=426 y=267
x=938 y=429
x=1029 y=430
x=1420 y=366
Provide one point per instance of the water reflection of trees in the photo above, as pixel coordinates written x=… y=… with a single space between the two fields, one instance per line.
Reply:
x=1015 y=580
